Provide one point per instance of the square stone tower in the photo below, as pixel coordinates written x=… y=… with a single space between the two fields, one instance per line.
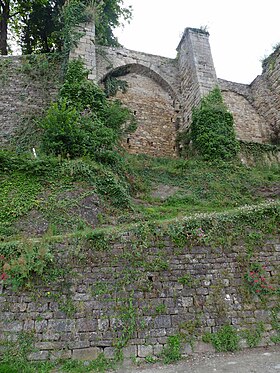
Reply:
x=196 y=70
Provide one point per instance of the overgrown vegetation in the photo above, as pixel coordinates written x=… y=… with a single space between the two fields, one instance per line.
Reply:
x=83 y=122
x=211 y=133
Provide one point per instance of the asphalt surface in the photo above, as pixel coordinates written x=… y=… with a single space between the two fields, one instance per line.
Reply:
x=258 y=360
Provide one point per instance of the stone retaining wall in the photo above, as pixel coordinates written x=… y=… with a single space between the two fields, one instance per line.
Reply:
x=110 y=297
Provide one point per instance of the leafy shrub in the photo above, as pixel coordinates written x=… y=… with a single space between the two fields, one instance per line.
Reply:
x=226 y=339
x=212 y=131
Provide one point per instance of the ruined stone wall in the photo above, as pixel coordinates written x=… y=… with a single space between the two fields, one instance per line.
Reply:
x=24 y=93
x=163 y=70
x=266 y=94
x=86 y=48
x=249 y=124
x=154 y=112
x=181 y=83
x=192 y=289
x=152 y=95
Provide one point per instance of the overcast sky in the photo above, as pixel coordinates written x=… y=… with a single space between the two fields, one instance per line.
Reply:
x=242 y=32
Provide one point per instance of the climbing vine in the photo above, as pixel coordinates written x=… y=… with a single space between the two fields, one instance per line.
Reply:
x=211 y=134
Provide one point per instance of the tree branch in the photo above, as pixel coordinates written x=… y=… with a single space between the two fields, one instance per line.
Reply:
x=14 y=14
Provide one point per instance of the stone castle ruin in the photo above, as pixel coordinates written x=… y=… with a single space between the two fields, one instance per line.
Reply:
x=161 y=92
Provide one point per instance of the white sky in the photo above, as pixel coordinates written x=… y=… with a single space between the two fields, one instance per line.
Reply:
x=242 y=32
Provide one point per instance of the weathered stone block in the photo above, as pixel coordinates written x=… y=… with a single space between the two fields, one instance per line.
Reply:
x=144 y=351
x=61 y=325
x=162 y=321
x=40 y=355
x=86 y=353
x=109 y=352
x=129 y=351
x=187 y=301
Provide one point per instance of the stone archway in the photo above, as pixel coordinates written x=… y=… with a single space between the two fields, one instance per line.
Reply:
x=155 y=107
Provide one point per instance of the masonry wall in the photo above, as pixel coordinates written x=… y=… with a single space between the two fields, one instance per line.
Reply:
x=250 y=126
x=109 y=292
x=266 y=94
x=163 y=70
x=154 y=112
x=25 y=92
x=86 y=48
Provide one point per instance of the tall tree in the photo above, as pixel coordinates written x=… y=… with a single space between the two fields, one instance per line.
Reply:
x=4 y=19
x=38 y=23
x=109 y=15
x=40 y=27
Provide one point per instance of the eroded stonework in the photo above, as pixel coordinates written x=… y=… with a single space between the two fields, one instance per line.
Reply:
x=153 y=108
x=161 y=91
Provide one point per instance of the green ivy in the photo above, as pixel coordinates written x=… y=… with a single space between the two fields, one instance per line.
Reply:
x=212 y=132
x=112 y=85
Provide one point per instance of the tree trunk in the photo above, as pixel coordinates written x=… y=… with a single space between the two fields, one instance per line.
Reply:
x=4 y=17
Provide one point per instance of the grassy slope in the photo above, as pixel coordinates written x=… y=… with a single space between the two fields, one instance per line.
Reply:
x=48 y=197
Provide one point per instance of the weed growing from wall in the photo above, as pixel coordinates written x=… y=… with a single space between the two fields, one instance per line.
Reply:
x=253 y=336
x=112 y=85
x=172 y=351
x=226 y=339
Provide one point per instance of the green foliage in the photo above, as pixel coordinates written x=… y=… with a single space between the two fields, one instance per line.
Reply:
x=275 y=323
x=84 y=122
x=38 y=32
x=128 y=317
x=172 y=351
x=253 y=336
x=18 y=194
x=186 y=280
x=112 y=187
x=269 y=61
x=151 y=359
x=212 y=131
x=21 y=263
x=101 y=364
x=161 y=309
x=112 y=85
x=14 y=358
x=73 y=13
x=226 y=339
x=108 y=16
x=44 y=26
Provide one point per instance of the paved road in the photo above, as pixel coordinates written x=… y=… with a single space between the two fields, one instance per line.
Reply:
x=258 y=360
